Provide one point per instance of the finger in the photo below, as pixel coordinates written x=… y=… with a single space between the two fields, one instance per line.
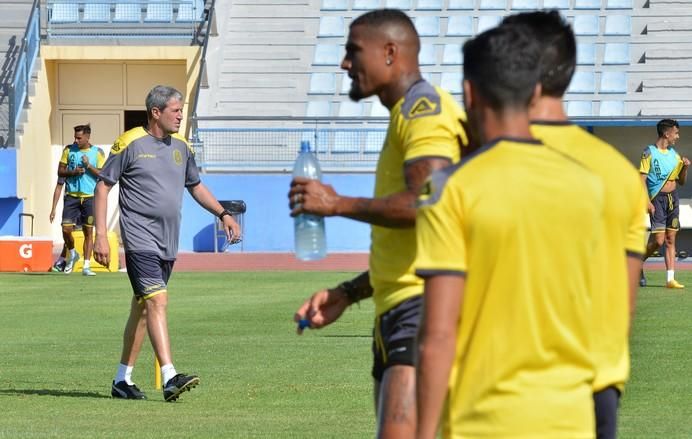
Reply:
x=299 y=180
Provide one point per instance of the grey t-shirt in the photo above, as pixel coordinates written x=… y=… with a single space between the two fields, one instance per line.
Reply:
x=152 y=173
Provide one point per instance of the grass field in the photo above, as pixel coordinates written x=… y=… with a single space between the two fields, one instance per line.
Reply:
x=61 y=338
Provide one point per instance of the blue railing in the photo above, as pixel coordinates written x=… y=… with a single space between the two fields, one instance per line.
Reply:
x=25 y=66
x=342 y=145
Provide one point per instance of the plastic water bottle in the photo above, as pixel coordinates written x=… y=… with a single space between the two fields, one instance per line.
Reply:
x=310 y=241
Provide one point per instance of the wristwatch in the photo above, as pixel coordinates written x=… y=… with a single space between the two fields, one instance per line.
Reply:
x=224 y=213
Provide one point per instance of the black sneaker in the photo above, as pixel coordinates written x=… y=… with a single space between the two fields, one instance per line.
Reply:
x=642 y=279
x=177 y=385
x=123 y=390
x=58 y=267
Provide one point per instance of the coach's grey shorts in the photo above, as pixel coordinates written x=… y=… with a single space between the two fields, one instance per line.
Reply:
x=148 y=274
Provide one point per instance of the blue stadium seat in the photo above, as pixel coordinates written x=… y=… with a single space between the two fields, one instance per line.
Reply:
x=96 y=13
x=619 y=4
x=327 y=55
x=556 y=4
x=616 y=53
x=586 y=54
x=613 y=82
x=460 y=26
x=429 y=5
x=347 y=141
x=524 y=5
x=190 y=11
x=318 y=109
x=579 y=108
x=334 y=5
x=160 y=12
x=427 y=55
x=331 y=27
x=451 y=81
x=64 y=13
x=582 y=82
x=486 y=22
x=127 y=12
x=460 y=5
x=452 y=55
x=365 y=5
x=587 y=4
x=492 y=5
x=611 y=108
x=618 y=25
x=404 y=5
x=428 y=25
x=586 y=25
x=345 y=84
x=350 y=109
x=374 y=141
x=378 y=110
x=322 y=83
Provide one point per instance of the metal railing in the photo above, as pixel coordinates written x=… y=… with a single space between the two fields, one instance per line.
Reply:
x=19 y=89
x=271 y=144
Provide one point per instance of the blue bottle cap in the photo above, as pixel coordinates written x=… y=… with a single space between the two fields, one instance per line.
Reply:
x=303 y=324
x=305 y=146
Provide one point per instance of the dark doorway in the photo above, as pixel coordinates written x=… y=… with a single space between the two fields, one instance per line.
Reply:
x=134 y=119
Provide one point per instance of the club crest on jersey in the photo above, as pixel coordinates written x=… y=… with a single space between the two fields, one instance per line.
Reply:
x=426 y=192
x=422 y=107
x=177 y=157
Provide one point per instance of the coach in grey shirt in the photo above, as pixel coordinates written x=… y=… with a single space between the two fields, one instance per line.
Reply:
x=153 y=165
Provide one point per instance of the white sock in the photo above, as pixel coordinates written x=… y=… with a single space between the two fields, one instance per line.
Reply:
x=167 y=372
x=670 y=275
x=60 y=259
x=87 y=263
x=73 y=254
x=124 y=374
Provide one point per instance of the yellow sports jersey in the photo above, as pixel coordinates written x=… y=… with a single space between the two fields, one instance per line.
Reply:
x=520 y=221
x=625 y=204
x=424 y=123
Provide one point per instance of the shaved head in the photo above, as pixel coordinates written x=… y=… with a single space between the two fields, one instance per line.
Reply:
x=382 y=55
x=390 y=25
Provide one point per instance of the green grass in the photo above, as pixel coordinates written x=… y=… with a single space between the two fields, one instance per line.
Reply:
x=61 y=338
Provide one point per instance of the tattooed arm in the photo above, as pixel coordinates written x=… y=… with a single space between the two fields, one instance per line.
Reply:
x=395 y=210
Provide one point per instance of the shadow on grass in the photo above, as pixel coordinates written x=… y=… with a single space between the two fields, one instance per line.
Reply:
x=346 y=336
x=51 y=392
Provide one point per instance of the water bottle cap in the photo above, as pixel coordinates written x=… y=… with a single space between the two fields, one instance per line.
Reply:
x=305 y=146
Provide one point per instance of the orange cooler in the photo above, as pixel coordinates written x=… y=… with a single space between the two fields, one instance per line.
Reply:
x=19 y=253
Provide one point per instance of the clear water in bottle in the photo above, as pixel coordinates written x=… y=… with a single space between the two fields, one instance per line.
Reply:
x=310 y=240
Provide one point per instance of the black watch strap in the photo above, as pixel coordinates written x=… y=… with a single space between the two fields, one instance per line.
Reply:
x=224 y=213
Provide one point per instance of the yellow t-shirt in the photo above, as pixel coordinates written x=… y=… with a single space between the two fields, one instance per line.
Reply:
x=520 y=221
x=624 y=207
x=424 y=123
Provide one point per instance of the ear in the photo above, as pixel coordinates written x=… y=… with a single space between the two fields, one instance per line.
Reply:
x=155 y=113
x=537 y=92
x=469 y=99
x=390 y=53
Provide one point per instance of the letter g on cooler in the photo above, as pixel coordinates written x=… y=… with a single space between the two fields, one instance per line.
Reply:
x=25 y=251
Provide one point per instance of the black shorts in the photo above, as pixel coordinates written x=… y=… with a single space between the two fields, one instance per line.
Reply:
x=148 y=274
x=666 y=215
x=78 y=210
x=394 y=336
x=606 y=404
